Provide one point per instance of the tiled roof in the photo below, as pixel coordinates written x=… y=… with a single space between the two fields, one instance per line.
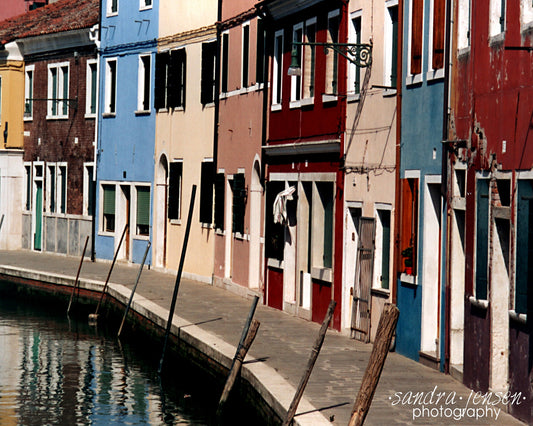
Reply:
x=63 y=15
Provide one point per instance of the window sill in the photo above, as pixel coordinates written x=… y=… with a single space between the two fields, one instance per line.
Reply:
x=497 y=40
x=208 y=105
x=90 y=115
x=220 y=232
x=239 y=236
x=435 y=74
x=322 y=274
x=109 y=115
x=521 y=318
x=206 y=225
x=413 y=79
x=354 y=97
x=275 y=107
x=28 y=118
x=106 y=234
x=142 y=112
x=326 y=99
x=142 y=9
x=57 y=117
x=175 y=221
x=478 y=303
x=387 y=93
x=295 y=104
x=307 y=101
x=383 y=292
x=110 y=15
x=141 y=237
x=526 y=27
x=463 y=52
x=408 y=279
x=275 y=263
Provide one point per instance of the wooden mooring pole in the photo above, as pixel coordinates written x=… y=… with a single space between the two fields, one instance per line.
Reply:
x=94 y=317
x=310 y=364
x=178 y=279
x=77 y=275
x=242 y=350
x=384 y=334
x=134 y=288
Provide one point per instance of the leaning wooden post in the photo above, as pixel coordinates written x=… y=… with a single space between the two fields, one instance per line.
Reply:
x=384 y=334
x=178 y=278
x=134 y=288
x=77 y=274
x=310 y=364
x=242 y=350
x=94 y=316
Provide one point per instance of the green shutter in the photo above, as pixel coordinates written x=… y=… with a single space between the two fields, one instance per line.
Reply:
x=94 y=88
x=143 y=205
x=109 y=199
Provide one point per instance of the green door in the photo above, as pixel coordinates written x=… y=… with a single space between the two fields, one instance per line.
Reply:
x=38 y=216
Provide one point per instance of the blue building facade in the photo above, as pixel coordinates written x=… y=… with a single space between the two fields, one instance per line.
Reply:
x=126 y=129
x=420 y=288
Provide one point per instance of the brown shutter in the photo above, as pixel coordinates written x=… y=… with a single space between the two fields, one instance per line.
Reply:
x=439 y=12
x=417 y=19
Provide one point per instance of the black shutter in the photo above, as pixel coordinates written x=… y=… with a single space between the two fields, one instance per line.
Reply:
x=174 y=189
x=208 y=74
x=206 y=192
x=161 y=62
x=260 y=68
x=220 y=183
x=177 y=74
x=239 y=193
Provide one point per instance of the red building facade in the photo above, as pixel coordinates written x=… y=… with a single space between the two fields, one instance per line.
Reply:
x=490 y=187
x=303 y=154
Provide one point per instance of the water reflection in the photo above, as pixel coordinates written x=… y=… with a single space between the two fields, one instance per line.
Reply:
x=53 y=371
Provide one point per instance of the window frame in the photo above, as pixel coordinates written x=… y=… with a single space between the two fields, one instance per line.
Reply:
x=51 y=188
x=277 y=70
x=144 y=6
x=355 y=36
x=409 y=222
x=331 y=87
x=102 y=214
x=296 y=81
x=62 y=190
x=497 y=20
x=245 y=55
x=28 y=181
x=88 y=182
x=110 y=94
x=224 y=69
x=482 y=245
x=526 y=15
x=391 y=50
x=172 y=215
x=434 y=70
x=208 y=70
x=29 y=90
x=219 y=208
x=207 y=182
x=309 y=69
x=415 y=77
x=91 y=90
x=138 y=234
x=57 y=98
x=464 y=24
x=109 y=8
x=144 y=83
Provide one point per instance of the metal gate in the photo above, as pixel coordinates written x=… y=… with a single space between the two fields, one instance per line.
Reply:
x=364 y=269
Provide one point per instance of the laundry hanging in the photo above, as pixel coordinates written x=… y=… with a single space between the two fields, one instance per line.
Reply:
x=280 y=205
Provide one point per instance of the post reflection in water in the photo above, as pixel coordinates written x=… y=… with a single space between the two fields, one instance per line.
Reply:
x=53 y=371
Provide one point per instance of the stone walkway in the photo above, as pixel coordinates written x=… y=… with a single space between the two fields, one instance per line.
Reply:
x=284 y=344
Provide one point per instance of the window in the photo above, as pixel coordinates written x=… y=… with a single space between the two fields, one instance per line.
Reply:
x=112 y=7
x=296 y=80
x=497 y=17
x=309 y=60
x=245 y=54
x=143 y=88
x=225 y=63
x=28 y=92
x=170 y=79
x=524 y=245
x=382 y=253
x=239 y=196
x=463 y=26
x=526 y=13
x=51 y=193
x=437 y=35
x=58 y=90
x=275 y=240
x=62 y=188
x=174 y=190
x=409 y=226
x=110 y=86
x=220 y=183
x=332 y=58
x=27 y=176
x=323 y=225
x=143 y=211
x=108 y=208
x=207 y=95
x=88 y=189
x=417 y=18
x=354 y=74
x=206 y=191
x=261 y=48
x=482 y=238
x=90 y=104
x=278 y=68
x=145 y=4
x=391 y=44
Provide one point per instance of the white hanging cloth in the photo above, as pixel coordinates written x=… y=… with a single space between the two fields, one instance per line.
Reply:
x=280 y=205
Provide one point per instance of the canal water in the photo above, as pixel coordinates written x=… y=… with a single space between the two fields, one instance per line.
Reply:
x=59 y=371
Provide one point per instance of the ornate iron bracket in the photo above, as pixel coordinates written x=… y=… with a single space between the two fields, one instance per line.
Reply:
x=358 y=54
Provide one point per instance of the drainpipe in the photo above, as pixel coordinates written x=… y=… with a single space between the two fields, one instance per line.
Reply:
x=445 y=364
x=397 y=193
x=95 y=35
